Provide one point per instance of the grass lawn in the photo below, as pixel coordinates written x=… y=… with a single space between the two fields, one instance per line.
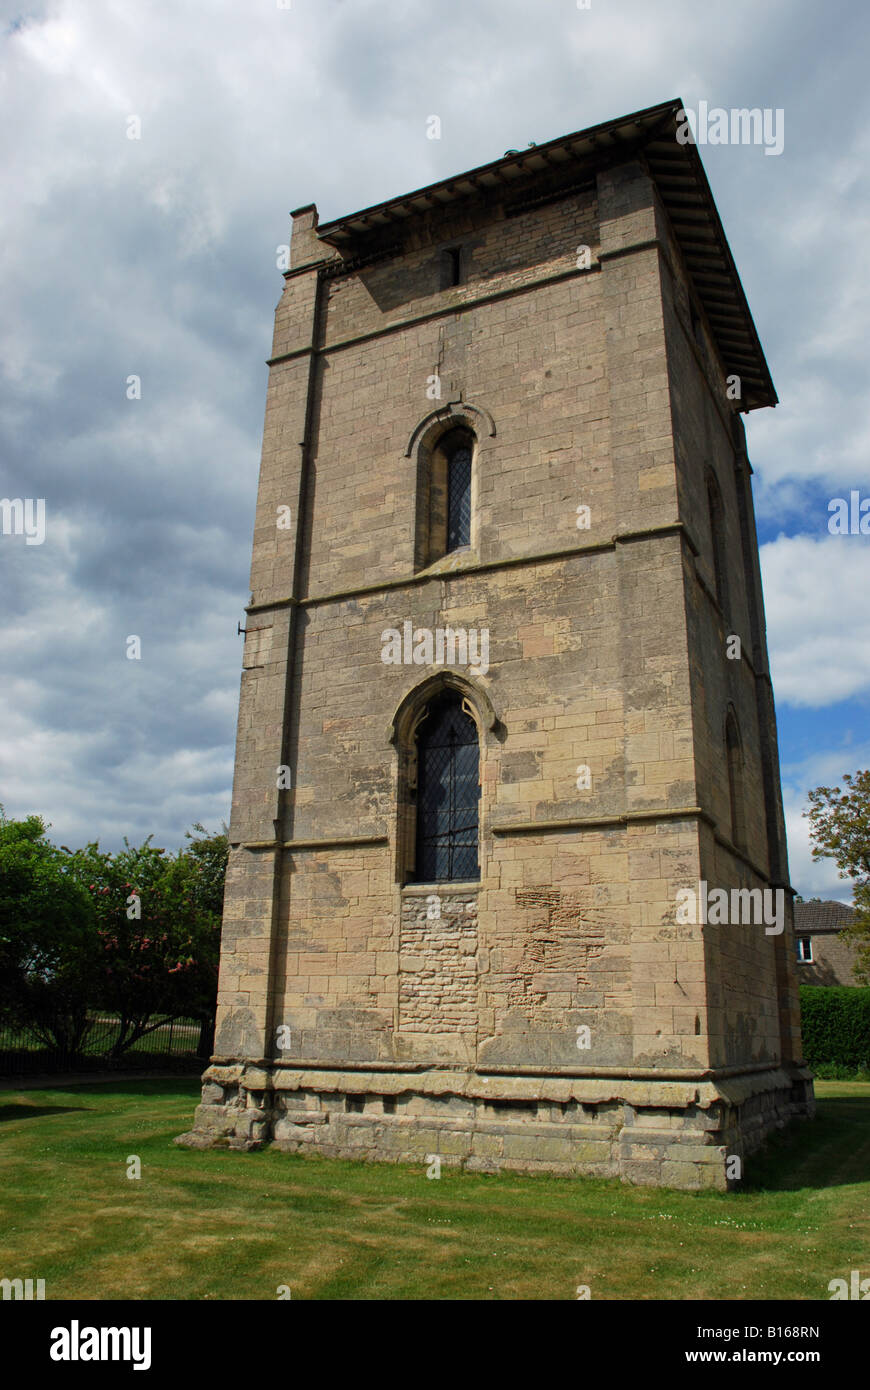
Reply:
x=224 y=1225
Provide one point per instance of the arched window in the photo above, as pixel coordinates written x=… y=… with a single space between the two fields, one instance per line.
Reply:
x=716 y=513
x=734 y=758
x=458 y=456
x=446 y=446
x=448 y=792
x=444 y=488
x=439 y=823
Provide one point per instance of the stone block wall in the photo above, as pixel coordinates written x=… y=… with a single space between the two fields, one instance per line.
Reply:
x=556 y=1013
x=652 y=1133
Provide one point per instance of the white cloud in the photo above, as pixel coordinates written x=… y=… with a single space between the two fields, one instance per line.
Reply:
x=815 y=592
x=816 y=878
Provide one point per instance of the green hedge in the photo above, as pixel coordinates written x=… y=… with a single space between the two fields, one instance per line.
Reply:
x=835 y=1024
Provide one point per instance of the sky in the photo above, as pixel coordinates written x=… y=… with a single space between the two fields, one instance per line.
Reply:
x=157 y=258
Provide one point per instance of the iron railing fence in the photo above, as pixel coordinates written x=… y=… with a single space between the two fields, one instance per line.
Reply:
x=183 y=1044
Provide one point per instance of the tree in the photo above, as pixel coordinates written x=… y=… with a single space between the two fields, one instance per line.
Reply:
x=48 y=946
x=209 y=853
x=840 y=830
x=135 y=933
x=158 y=929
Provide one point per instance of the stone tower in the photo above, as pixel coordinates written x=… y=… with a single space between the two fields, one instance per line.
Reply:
x=505 y=706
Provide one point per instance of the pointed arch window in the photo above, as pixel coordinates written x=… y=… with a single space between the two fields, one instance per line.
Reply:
x=448 y=793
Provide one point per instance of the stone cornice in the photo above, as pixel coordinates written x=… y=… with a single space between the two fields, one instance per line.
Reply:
x=671 y=528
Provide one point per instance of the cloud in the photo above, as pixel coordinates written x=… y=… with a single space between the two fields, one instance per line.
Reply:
x=815 y=592
x=156 y=257
x=816 y=878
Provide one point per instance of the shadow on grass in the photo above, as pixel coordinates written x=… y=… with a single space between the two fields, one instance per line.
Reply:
x=33 y=1101
x=23 y=1111
x=832 y=1150
x=123 y=1086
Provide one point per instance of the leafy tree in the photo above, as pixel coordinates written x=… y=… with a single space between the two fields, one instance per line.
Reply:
x=48 y=944
x=135 y=933
x=840 y=830
x=857 y=933
x=158 y=929
x=209 y=853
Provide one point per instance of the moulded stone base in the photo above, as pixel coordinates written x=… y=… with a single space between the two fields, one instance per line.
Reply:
x=668 y=1133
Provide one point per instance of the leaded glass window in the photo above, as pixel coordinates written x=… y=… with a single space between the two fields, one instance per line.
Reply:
x=448 y=793
x=458 y=495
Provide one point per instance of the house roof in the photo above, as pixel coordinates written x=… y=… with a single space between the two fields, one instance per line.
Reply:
x=682 y=186
x=827 y=916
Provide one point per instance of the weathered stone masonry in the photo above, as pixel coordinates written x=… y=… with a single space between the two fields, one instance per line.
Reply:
x=553 y=1014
